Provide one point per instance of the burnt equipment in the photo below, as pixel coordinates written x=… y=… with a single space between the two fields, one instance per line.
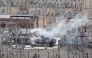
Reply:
x=46 y=41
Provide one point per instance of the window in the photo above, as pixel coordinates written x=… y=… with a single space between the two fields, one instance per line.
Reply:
x=3 y=20
x=13 y=20
x=7 y=20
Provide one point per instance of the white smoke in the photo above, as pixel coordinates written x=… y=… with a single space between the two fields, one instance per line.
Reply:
x=63 y=27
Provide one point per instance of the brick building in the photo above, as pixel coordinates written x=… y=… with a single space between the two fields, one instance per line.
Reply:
x=20 y=21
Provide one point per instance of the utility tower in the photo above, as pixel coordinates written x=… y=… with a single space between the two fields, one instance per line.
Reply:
x=4 y=6
x=23 y=7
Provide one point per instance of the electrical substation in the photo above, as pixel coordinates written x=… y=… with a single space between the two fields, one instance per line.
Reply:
x=45 y=28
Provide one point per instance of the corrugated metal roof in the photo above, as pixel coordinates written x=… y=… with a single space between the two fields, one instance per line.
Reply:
x=4 y=16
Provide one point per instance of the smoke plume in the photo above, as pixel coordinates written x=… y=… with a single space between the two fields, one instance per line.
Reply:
x=63 y=26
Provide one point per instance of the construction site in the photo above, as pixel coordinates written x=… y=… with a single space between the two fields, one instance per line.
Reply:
x=45 y=28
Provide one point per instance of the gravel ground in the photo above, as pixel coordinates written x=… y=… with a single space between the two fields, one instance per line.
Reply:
x=44 y=53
